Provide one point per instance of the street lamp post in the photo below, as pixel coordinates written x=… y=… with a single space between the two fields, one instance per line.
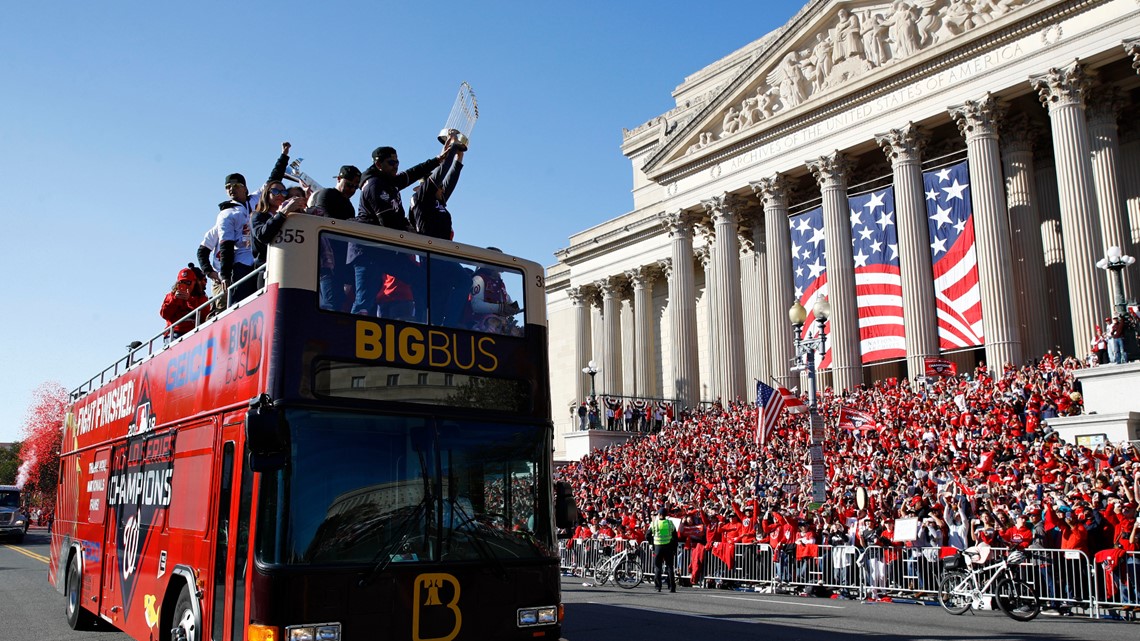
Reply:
x=592 y=369
x=1115 y=262
x=806 y=350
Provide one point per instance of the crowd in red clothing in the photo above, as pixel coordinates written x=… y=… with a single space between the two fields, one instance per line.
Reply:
x=970 y=457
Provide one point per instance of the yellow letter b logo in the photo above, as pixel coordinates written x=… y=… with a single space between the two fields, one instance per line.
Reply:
x=435 y=608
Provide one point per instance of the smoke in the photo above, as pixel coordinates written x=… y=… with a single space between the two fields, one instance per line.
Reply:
x=25 y=469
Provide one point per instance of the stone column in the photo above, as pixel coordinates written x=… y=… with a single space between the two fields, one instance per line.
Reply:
x=611 y=318
x=1104 y=110
x=728 y=317
x=846 y=360
x=1029 y=274
x=977 y=120
x=598 y=331
x=1053 y=251
x=682 y=307
x=903 y=148
x=1130 y=190
x=773 y=192
x=582 y=347
x=754 y=303
x=711 y=387
x=1062 y=91
x=644 y=377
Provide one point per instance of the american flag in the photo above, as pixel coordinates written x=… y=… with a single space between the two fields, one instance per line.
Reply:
x=809 y=267
x=769 y=404
x=958 y=295
x=878 y=283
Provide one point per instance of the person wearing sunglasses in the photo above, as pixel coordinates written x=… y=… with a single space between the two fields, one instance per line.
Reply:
x=380 y=204
x=235 y=229
x=276 y=203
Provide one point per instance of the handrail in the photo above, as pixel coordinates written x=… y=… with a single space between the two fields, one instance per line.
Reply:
x=133 y=356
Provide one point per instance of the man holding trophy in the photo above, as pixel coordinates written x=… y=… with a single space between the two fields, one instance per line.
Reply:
x=380 y=204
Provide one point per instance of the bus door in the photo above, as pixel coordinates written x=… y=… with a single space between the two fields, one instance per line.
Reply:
x=231 y=542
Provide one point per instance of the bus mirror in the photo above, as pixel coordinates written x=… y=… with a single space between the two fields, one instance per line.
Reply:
x=263 y=438
x=565 y=510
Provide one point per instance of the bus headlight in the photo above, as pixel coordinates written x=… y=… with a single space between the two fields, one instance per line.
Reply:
x=546 y=615
x=318 y=632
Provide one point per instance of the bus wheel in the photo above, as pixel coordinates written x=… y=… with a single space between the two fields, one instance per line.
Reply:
x=77 y=617
x=186 y=624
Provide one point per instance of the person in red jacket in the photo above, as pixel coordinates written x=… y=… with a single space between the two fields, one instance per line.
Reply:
x=187 y=294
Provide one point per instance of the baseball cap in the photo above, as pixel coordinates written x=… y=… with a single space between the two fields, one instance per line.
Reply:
x=348 y=171
x=382 y=152
x=187 y=275
x=235 y=178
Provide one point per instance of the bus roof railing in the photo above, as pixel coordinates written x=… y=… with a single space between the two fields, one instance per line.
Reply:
x=135 y=350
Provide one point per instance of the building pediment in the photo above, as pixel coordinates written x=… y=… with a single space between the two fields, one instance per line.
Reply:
x=826 y=47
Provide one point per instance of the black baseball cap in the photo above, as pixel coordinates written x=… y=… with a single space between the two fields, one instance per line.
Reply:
x=235 y=178
x=382 y=152
x=348 y=171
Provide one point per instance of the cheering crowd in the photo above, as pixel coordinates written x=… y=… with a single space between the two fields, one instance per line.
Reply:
x=971 y=458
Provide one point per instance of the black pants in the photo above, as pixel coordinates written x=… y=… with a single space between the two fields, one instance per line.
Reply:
x=665 y=555
x=243 y=290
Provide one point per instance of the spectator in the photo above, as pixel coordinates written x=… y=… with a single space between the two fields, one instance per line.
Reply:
x=186 y=295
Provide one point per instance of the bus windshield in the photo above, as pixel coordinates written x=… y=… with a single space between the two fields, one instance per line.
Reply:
x=366 y=489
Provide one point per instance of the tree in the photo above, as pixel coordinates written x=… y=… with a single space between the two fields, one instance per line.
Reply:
x=43 y=436
x=9 y=463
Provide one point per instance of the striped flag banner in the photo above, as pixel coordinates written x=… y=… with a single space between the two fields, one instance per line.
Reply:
x=792 y=402
x=957 y=292
x=809 y=269
x=878 y=281
x=769 y=404
x=853 y=419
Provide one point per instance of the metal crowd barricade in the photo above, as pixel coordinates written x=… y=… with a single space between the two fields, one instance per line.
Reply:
x=1063 y=579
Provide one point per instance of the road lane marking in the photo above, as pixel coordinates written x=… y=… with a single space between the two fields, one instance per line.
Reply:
x=804 y=605
x=29 y=553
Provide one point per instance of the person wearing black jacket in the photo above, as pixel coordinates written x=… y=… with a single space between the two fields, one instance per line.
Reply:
x=451 y=282
x=235 y=228
x=380 y=204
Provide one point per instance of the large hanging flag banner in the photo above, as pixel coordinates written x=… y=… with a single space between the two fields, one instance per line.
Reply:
x=957 y=293
x=809 y=268
x=878 y=282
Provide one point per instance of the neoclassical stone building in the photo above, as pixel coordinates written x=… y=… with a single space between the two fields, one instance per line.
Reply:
x=686 y=296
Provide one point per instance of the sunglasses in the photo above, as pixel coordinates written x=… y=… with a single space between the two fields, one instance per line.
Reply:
x=234 y=185
x=278 y=192
x=392 y=162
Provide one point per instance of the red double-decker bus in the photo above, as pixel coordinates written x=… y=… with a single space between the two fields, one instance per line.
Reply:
x=288 y=471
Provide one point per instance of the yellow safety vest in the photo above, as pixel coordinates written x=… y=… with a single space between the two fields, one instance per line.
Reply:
x=662 y=531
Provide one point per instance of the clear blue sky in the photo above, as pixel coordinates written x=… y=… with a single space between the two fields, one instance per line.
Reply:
x=119 y=121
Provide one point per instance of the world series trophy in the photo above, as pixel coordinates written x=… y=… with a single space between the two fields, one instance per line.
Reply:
x=293 y=172
x=464 y=113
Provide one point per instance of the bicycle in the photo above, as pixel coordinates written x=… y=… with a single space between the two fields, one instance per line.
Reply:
x=623 y=568
x=962 y=588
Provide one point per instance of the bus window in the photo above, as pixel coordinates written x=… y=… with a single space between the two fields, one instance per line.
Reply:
x=404 y=494
x=413 y=286
x=393 y=279
x=349 y=379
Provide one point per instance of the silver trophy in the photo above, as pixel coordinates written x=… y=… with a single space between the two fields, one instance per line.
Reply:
x=464 y=113
x=293 y=172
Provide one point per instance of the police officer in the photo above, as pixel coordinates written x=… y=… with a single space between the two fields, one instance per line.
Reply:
x=664 y=547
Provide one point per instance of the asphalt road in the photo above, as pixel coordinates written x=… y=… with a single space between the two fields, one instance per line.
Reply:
x=31 y=610
x=723 y=615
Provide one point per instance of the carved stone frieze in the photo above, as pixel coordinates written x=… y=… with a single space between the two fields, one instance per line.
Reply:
x=851 y=44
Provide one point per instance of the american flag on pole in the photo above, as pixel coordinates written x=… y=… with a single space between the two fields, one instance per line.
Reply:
x=809 y=268
x=878 y=282
x=769 y=404
x=957 y=293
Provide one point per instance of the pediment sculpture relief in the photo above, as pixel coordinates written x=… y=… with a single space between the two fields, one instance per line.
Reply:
x=852 y=44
